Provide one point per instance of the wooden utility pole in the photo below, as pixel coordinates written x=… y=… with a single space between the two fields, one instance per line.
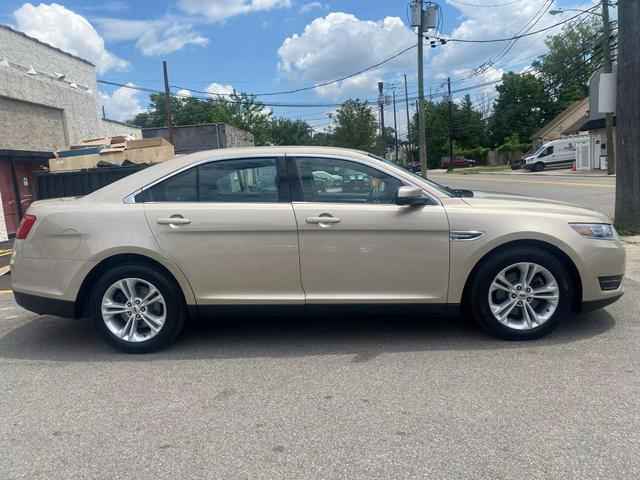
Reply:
x=450 y=124
x=167 y=97
x=406 y=103
x=606 y=68
x=422 y=137
x=395 y=124
x=627 y=216
x=381 y=104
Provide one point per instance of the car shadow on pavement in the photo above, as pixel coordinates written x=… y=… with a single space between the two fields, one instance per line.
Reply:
x=56 y=339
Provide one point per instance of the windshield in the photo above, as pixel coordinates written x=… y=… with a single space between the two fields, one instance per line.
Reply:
x=441 y=188
x=539 y=150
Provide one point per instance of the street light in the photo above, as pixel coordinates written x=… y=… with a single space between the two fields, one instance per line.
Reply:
x=562 y=10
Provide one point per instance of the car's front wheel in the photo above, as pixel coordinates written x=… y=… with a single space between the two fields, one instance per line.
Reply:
x=137 y=308
x=521 y=293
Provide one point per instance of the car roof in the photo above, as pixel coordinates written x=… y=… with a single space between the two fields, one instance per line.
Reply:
x=130 y=184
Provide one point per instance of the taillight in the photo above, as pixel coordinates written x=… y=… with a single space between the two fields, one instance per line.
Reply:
x=25 y=226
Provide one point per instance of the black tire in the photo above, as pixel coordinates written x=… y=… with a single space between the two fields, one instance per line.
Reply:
x=538 y=167
x=490 y=267
x=176 y=312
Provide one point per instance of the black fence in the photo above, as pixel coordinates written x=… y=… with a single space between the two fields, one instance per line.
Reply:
x=80 y=182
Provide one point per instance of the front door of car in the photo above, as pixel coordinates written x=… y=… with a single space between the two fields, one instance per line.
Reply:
x=229 y=226
x=358 y=246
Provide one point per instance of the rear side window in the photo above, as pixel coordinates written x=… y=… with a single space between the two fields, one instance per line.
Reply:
x=241 y=180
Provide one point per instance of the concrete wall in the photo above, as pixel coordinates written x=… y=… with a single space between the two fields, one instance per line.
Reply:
x=196 y=138
x=111 y=128
x=40 y=95
x=236 y=137
x=37 y=126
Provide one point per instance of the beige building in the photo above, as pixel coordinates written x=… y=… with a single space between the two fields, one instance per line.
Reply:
x=576 y=113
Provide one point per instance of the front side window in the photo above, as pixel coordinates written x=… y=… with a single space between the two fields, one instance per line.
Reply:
x=241 y=180
x=344 y=181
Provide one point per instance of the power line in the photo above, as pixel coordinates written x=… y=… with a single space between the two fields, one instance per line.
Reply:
x=486 y=6
x=464 y=40
x=317 y=85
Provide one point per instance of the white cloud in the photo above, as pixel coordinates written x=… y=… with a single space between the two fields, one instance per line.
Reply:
x=219 y=89
x=153 y=37
x=183 y=93
x=169 y=40
x=339 y=44
x=307 y=7
x=489 y=23
x=123 y=104
x=219 y=10
x=65 y=29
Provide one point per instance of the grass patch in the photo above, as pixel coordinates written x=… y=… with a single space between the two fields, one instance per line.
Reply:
x=628 y=231
x=482 y=169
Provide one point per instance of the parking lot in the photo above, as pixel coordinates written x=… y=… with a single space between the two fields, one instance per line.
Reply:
x=330 y=397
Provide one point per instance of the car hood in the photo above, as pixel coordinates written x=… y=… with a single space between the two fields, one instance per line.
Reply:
x=501 y=201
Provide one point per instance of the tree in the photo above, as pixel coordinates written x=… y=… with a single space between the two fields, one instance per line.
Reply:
x=522 y=107
x=240 y=110
x=355 y=126
x=284 y=131
x=569 y=62
x=627 y=215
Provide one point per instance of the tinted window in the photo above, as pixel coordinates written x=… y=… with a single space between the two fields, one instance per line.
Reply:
x=343 y=181
x=242 y=180
x=182 y=187
x=245 y=180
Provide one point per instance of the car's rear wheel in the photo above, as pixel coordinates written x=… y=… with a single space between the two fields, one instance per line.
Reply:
x=521 y=293
x=137 y=308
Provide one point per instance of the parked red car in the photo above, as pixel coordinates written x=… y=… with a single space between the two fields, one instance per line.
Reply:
x=458 y=162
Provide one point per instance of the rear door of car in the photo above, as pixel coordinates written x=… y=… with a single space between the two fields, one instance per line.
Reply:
x=357 y=246
x=229 y=226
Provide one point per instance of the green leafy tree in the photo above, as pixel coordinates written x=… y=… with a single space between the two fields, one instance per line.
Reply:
x=522 y=107
x=355 y=126
x=284 y=131
x=570 y=60
x=240 y=110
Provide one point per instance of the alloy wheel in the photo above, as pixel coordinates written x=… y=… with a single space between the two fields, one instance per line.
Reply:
x=524 y=296
x=133 y=310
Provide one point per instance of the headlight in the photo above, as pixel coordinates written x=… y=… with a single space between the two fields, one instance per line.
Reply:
x=599 y=231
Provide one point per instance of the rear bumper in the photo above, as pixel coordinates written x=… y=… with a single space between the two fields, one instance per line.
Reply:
x=45 y=305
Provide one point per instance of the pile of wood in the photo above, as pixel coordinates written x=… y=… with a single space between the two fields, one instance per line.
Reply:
x=111 y=151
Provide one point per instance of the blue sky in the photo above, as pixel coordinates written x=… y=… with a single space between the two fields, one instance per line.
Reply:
x=274 y=45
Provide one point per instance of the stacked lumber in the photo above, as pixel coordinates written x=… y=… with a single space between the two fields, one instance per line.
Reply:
x=111 y=152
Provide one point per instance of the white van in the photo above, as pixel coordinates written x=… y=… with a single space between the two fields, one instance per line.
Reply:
x=555 y=154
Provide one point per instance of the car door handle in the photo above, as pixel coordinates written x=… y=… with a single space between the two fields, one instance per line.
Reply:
x=173 y=221
x=321 y=219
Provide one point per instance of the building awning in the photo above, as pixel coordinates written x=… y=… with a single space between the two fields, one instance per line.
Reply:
x=595 y=124
x=34 y=155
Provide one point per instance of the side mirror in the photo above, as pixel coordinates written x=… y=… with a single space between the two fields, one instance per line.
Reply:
x=410 y=196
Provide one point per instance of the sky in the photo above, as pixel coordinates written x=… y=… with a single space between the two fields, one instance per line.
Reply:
x=266 y=46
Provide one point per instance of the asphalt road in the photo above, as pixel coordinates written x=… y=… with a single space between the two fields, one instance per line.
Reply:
x=597 y=193
x=324 y=398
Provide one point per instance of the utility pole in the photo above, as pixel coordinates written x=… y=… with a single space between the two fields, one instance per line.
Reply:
x=381 y=104
x=627 y=214
x=395 y=124
x=406 y=103
x=422 y=137
x=450 y=124
x=167 y=97
x=606 y=52
x=104 y=114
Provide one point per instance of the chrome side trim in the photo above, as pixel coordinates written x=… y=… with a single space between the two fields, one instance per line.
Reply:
x=465 y=235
